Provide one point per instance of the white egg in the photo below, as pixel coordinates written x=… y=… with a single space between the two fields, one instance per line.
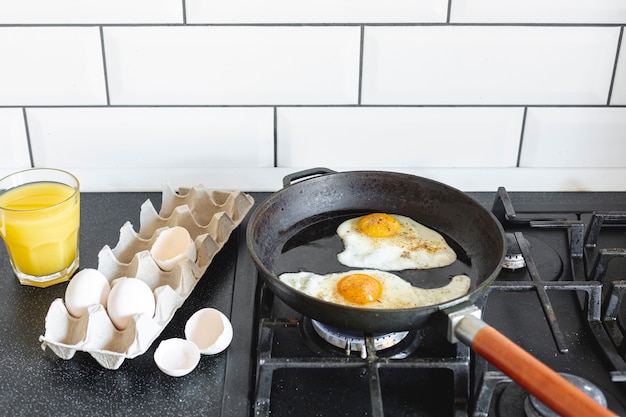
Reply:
x=374 y=289
x=87 y=288
x=210 y=330
x=172 y=245
x=393 y=243
x=177 y=357
x=128 y=297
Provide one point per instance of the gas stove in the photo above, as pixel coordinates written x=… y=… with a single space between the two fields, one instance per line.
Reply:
x=560 y=299
x=558 y=296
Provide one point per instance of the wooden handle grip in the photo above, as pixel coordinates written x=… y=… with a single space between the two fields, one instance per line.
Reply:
x=542 y=382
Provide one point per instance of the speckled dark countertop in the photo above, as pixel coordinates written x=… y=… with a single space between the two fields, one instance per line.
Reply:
x=37 y=382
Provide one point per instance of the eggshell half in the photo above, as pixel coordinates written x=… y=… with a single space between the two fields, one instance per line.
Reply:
x=177 y=357
x=172 y=245
x=210 y=330
x=88 y=287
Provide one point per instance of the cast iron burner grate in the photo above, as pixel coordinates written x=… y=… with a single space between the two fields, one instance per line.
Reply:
x=596 y=262
x=600 y=298
x=418 y=351
x=589 y=266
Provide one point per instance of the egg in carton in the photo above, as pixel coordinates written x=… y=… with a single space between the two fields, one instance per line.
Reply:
x=209 y=216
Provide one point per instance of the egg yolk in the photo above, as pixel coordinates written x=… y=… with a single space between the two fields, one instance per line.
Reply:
x=360 y=288
x=379 y=225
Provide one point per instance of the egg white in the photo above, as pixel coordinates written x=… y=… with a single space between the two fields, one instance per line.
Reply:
x=397 y=293
x=415 y=246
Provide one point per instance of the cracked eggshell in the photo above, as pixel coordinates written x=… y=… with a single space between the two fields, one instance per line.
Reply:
x=172 y=245
x=128 y=297
x=210 y=216
x=87 y=288
x=210 y=330
x=177 y=357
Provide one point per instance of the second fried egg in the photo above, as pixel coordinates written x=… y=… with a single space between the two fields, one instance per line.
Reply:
x=392 y=242
x=374 y=289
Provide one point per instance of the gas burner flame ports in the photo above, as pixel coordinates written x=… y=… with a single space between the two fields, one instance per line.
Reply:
x=354 y=341
x=514 y=259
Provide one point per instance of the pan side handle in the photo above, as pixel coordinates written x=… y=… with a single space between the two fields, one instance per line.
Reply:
x=535 y=377
x=301 y=175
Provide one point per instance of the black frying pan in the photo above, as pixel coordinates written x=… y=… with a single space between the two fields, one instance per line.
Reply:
x=316 y=205
x=303 y=215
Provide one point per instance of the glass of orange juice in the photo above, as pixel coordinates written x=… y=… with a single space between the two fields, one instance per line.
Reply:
x=39 y=222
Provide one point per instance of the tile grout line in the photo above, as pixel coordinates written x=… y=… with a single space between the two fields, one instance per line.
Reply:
x=615 y=66
x=360 y=76
x=521 y=138
x=27 y=132
x=269 y=105
x=347 y=24
x=275 y=137
x=104 y=67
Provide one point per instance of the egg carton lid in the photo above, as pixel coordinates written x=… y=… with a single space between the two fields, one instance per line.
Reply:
x=209 y=216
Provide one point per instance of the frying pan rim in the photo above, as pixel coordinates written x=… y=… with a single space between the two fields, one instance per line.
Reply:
x=480 y=288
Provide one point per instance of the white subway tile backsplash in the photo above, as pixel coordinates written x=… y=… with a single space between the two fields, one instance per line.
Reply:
x=51 y=66
x=144 y=138
x=322 y=11
x=477 y=94
x=488 y=65
x=14 y=152
x=538 y=11
x=92 y=11
x=619 y=85
x=232 y=65
x=575 y=137
x=398 y=137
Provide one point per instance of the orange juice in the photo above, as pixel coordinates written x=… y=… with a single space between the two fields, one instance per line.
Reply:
x=39 y=223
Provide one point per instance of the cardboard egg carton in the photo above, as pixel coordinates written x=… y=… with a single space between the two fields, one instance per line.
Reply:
x=209 y=216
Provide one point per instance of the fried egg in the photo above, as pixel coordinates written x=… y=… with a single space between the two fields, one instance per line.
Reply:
x=373 y=289
x=392 y=242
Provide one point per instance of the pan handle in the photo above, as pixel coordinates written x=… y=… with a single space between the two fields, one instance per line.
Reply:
x=300 y=175
x=535 y=377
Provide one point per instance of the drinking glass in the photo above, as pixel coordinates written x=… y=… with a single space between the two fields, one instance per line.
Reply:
x=39 y=223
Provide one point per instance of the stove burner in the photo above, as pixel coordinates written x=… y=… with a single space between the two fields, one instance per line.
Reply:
x=514 y=258
x=355 y=341
x=547 y=260
x=535 y=408
x=324 y=339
